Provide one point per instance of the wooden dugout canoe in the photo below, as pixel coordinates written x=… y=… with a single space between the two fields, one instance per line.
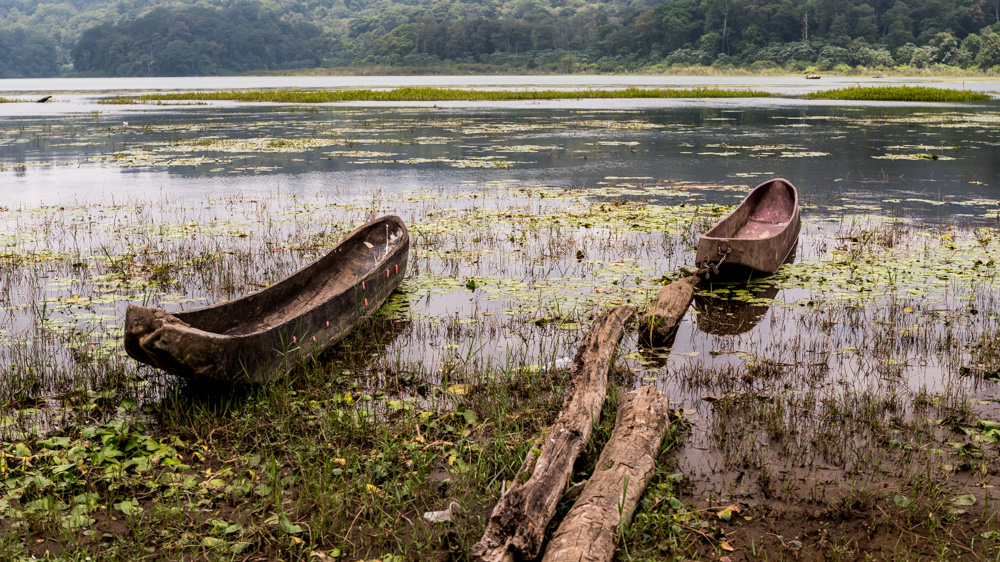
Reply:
x=260 y=335
x=758 y=236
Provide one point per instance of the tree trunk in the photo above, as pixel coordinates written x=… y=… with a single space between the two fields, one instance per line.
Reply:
x=725 y=26
x=591 y=529
x=658 y=326
x=517 y=526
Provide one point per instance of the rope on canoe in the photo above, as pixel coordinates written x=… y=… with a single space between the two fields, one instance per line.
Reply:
x=708 y=268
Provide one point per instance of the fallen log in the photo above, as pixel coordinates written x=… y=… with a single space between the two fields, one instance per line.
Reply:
x=589 y=533
x=659 y=325
x=517 y=525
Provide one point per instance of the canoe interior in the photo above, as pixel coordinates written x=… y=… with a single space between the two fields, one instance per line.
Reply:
x=765 y=214
x=288 y=299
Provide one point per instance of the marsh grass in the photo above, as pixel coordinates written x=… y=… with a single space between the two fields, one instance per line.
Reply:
x=898 y=93
x=432 y=94
x=418 y=408
x=854 y=417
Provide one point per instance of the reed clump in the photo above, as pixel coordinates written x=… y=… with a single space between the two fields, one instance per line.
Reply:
x=432 y=94
x=898 y=93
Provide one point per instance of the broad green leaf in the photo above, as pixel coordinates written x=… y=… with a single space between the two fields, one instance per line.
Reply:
x=964 y=500
x=287 y=526
x=77 y=521
x=129 y=507
x=214 y=542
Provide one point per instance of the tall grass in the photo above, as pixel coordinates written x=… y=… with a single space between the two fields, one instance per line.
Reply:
x=433 y=94
x=898 y=93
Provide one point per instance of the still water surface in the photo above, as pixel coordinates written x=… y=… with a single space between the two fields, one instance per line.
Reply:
x=898 y=158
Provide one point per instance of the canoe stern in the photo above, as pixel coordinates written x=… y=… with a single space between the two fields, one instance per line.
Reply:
x=162 y=340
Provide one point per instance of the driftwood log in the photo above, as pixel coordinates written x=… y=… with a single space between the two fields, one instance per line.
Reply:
x=589 y=533
x=659 y=325
x=517 y=525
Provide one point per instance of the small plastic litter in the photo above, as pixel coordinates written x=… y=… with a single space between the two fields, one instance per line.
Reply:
x=442 y=516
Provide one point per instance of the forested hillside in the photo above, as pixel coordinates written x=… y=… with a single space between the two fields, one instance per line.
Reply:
x=178 y=37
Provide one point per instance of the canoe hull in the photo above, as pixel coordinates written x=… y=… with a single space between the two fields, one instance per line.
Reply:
x=263 y=334
x=759 y=235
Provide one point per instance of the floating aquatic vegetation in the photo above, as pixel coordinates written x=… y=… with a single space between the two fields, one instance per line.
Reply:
x=803 y=154
x=469 y=162
x=526 y=148
x=916 y=156
x=359 y=154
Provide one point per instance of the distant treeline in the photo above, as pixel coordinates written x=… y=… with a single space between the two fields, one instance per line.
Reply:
x=27 y=53
x=175 y=37
x=199 y=41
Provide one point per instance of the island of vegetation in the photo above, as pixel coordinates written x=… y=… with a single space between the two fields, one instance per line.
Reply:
x=877 y=93
x=432 y=94
x=182 y=38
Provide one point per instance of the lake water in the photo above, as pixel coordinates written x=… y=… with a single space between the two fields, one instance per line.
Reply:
x=527 y=217
x=922 y=158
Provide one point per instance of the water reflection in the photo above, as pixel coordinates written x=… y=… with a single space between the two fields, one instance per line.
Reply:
x=733 y=308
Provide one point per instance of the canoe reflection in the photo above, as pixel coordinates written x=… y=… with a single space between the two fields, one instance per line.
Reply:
x=735 y=310
x=738 y=307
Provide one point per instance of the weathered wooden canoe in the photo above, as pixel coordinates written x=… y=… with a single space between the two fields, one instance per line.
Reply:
x=262 y=334
x=758 y=235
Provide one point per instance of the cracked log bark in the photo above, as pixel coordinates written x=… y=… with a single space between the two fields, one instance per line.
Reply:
x=517 y=526
x=659 y=326
x=589 y=532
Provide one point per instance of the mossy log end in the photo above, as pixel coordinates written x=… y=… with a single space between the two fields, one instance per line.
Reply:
x=517 y=525
x=658 y=326
x=589 y=533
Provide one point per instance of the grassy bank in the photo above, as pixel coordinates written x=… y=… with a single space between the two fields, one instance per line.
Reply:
x=657 y=69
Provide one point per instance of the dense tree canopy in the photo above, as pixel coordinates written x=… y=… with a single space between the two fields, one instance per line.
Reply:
x=198 y=41
x=169 y=37
x=27 y=53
